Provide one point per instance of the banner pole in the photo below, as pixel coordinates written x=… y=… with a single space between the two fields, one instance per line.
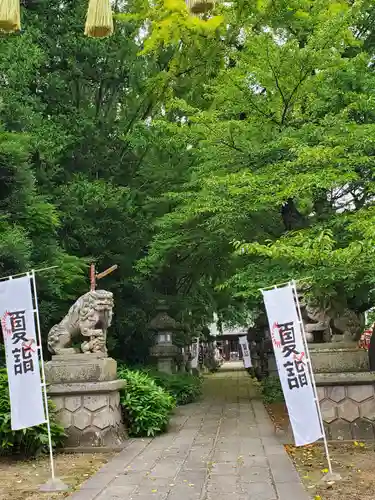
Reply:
x=44 y=385
x=285 y=283
x=331 y=475
x=55 y=484
x=27 y=273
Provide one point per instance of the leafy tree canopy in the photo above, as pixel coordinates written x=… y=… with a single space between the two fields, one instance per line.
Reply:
x=282 y=157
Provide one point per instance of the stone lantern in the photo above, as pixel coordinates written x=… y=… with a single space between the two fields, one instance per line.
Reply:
x=163 y=327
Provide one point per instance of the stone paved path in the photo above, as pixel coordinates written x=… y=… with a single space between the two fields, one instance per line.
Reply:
x=222 y=448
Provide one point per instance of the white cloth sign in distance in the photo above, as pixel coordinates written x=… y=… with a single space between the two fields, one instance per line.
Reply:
x=245 y=352
x=195 y=354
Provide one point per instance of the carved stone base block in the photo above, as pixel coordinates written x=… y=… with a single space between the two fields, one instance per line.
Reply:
x=89 y=410
x=347 y=402
x=338 y=358
x=73 y=367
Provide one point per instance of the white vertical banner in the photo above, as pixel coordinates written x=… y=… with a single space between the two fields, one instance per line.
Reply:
x=293 y=364
x=245 y=351
x=21 y=349
x=195 y=353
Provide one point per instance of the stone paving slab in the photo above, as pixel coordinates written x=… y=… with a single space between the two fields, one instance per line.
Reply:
x=222 y=448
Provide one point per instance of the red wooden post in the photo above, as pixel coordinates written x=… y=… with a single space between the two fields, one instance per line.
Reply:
x=92 y=277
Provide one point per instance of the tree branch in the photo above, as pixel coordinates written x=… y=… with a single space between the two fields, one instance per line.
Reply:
x=275 y=75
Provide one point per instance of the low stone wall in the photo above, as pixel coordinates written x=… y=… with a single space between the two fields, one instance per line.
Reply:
x=347 y=402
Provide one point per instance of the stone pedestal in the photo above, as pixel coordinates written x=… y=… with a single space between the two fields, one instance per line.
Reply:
x=86 y=394
x=347 y=402
x=345 y=390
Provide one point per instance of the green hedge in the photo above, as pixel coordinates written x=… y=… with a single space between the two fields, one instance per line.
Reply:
x=26 y=442
x=147 y=407
x=183 y=387
x=271 y=390
x=150 y=397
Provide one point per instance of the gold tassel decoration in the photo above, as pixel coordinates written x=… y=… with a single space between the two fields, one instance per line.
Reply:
x=10 y=15
x=200 y=6
x=99 y=20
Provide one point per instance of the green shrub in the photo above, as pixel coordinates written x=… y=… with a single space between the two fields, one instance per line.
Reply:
x=26 y=442
x=271 y=390
x=183 y=387
x=147 y=407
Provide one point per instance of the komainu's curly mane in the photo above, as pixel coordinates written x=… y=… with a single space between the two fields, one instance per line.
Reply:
x=89 y=317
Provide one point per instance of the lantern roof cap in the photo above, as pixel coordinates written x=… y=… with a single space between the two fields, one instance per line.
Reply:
x=162 y=321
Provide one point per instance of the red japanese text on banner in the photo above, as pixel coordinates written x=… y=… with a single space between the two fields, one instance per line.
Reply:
x=291 y=362
x=21 y=350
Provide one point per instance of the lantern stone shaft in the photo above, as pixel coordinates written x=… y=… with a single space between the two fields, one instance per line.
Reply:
x=163 y=326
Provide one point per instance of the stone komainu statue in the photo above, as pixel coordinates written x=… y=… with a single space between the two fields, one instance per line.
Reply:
x=88 y=319
x=332 y=323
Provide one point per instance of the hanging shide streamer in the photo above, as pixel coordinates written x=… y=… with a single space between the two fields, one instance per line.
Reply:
x=200 y=6
x=99 y=20
x=10 y=15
